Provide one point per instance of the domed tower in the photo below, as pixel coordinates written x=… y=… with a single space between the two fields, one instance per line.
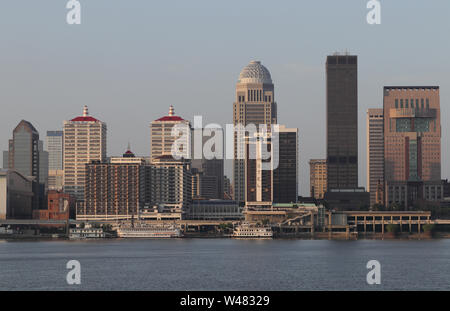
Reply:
x=254 y=104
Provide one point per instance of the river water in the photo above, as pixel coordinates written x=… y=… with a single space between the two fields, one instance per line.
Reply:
x=225 y=264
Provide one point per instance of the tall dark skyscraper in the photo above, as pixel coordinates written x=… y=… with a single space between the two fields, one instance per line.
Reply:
x=285 y=176
x=26 y=155
x=342 y=121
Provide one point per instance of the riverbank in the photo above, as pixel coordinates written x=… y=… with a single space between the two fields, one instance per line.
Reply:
x=298 y=236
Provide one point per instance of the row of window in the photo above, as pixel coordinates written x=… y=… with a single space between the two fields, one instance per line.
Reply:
x=410 y=103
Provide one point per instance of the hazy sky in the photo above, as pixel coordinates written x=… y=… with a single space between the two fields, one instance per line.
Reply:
x=130 y=59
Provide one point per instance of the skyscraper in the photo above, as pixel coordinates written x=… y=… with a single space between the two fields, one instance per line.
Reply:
x=318 y=178
x=375 y=153
x=412 y=140
x=84 y=141
x=23 y=153
x=55 y=160
x=285 y=175
x=209 y=172
x=258 y=170
x=342 y=121
x=55 y=150
x=26 y=156
x=161 y=138
x=254 y=104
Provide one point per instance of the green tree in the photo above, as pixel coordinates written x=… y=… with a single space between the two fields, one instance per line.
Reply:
x=392 y=228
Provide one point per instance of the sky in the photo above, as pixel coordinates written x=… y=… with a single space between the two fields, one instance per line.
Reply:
x=130 y=60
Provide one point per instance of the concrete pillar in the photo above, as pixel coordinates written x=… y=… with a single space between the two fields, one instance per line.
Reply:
x=382 y=224
x=365 y=224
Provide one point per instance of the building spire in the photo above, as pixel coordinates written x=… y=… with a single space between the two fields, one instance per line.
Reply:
x=85 y=111
x=171 y=111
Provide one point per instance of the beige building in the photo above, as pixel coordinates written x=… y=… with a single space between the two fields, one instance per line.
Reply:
x=84 y=141
x=161 y=138
x=318 y=178
x=254 y=104
x=412 y=140
x=375 y=153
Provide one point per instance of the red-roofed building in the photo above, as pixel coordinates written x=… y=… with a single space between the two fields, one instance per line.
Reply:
x=161 y=135
x=84 y=141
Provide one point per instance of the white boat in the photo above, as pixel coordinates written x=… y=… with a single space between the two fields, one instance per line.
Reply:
x=86 y=233
x=252 y=231
x=148 y=231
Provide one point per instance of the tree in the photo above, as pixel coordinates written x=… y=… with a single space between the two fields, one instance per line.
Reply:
x=392 y=228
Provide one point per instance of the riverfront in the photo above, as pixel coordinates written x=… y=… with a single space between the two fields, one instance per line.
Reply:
x=225 y=264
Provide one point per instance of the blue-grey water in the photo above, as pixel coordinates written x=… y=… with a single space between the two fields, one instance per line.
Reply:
x=225 y=264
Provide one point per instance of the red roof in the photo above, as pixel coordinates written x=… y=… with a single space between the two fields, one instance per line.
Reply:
x=85 y=119
x=170 y=118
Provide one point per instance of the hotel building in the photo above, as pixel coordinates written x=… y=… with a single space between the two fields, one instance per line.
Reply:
x=162 y=140
x=113 y=190
x=84 y=140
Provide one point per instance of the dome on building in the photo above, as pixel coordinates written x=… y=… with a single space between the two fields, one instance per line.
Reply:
x=255 y=73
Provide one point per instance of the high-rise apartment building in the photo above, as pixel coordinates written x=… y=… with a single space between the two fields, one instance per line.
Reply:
x=162 y=138
x=84 y=140
x=412 y=140
x=113 y=190
x=318 y=178
x=342 y=121
x=254 y=105
x=169 y=184
x=375 y=153
x=285 y=174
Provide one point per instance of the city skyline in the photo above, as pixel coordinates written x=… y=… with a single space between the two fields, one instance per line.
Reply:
x=99 y=76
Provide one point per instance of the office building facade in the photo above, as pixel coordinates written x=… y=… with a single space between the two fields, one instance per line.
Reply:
x=342 y=121
x=254 y=105
x=318 y=178
x=55 y=147
x=412 y=140
x=375 y=154
x=286 y=173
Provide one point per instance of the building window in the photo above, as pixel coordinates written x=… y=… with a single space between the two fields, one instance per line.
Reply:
x=396 y=103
